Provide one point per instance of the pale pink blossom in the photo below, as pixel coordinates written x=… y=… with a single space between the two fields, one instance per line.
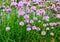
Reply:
x=26 y=21
x=7 y=28
x=45 y=25
x=31 y=21
x=20 y=12
x=28 y=29
x=13 y=3
x=46 y=18
x=21 y=23
x=53 y=24
x=26 y=16
x=58 y=16
x=43 y=33
x=8 y=9
x=34 y=27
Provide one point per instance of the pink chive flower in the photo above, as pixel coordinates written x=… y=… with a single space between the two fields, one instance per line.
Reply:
x=21 y=23
x=13 y=3
x=20 y=4
x=3 y=6
x=26 y=21
x=41 y=11
x=47 y=28
x=43 y=33
x=26 y=16
x=28 y=29
x=52 y=34
x=57 y=0
x=58 y=16
x=24 y=2
x=38 y=12
x=33 y=8
x=20 y=12
x=52 y=6
x=46 y=18
x=31 y=21
x=58 y=3
x=8 y=9
x=55 y=9
x=34 y=27
x=45 y=25
x=37 y=1
x=54 y=14
x=28 y=4
x=53 y=24
x=7 y=28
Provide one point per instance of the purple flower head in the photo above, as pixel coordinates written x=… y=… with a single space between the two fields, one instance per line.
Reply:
x=21 y=23
x=57 y=1
x=7 y=28
x=46 y=18
x=13 y=3
x=52 y=5
x=58 y=16
x=20 y=4
x=28 y=29
x=20 y=12
x=54 y=14
x=31 y=21
x=55 y=9
x=41 y=11
x=3 y=6
x=26 y=21
x=28 y=4
x=43 y=33
x=38 y=12
x=45 y=25
x=33 y=8
x=8 y=9
x=34 y=27
x=38 y=1
x=53 y=24
x=24 y=2
x=26 y=16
